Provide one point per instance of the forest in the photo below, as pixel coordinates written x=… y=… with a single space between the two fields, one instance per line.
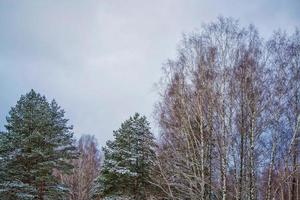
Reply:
x=228 y=116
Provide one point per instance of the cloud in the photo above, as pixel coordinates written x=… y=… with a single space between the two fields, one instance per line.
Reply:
x=100 y=59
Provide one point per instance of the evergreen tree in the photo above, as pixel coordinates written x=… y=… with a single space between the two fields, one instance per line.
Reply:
x=128 y=161
x=38 y=141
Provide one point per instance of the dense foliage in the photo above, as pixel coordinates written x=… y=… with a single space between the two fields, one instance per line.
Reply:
x=128 y=161
x=37 y=142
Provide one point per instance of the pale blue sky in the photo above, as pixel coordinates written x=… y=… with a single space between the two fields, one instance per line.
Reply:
x=100 y=59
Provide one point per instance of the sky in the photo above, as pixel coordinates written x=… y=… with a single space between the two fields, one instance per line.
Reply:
x=100 y=60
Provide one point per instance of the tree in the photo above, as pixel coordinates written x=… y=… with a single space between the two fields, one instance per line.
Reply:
x=229 y=115
x=283 y=171
x=196 y=112
x=37 y=142
x=127 y=161
x=86 y=168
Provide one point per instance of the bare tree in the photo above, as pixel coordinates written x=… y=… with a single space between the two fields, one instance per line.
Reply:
x=86 y=169
x=228 y=113
x=284 y=53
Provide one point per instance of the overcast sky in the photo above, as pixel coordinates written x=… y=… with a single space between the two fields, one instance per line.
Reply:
x=100 y=59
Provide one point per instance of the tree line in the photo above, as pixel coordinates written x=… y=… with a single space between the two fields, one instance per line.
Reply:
x=229 y=119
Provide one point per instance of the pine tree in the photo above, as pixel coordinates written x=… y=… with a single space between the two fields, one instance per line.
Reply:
x=128 y=161
x=37 y=142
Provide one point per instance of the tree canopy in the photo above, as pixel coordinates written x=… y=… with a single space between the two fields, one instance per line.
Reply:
x=38 y=141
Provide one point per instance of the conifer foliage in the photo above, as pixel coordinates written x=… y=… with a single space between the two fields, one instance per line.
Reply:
x=128 y=160
x=38 y=141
